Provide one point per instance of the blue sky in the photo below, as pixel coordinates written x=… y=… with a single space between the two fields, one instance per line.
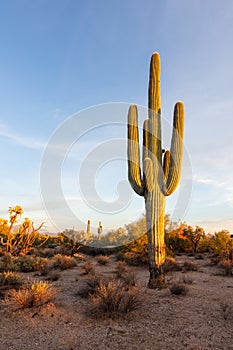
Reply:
x=60 y=57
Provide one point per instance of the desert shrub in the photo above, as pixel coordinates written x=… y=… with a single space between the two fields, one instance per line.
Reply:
x=95 y=251
x=129 y=280
x=91 y=284
x=112 y=298
x=221 y=244
x=121 y=268
x=7 y=263
x=26 y=263
x=194 y=236
x=190 y=266
x=170 y=264
x=178 y=288
x=88 y=268
x=136 y=253
x=175 y=240
x=63 y=262
x=214 y=260
x=63 y=250
x=227 y=266
x=37 y=294
x=205 y=244
x=42 y=266
x=10 y=278
x=53 y=276
x=102 y=259
x=47 y=252
x=34 y=252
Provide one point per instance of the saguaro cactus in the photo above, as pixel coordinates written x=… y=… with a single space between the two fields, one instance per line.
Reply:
x=161 y=169
x=88 y=227
x=100 y=230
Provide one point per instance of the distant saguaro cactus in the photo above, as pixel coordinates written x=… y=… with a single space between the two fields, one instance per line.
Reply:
x=100 y=229
x=161 y=170
x=88 y=226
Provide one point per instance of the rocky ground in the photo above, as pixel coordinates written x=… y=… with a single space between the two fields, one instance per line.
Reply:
x=194 y=321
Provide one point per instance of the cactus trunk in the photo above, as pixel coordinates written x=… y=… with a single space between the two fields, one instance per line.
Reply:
x=88 y=227
x=161 y=172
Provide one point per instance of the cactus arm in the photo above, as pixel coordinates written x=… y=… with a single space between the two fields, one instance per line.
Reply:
x=134 y=169
x=145 y=139
x=166 y=163
x=172 y=177
x=149 y=175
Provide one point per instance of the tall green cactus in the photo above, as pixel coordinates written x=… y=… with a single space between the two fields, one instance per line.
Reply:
x=161 y=170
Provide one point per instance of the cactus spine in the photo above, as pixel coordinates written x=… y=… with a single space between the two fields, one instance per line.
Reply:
x=161 y=170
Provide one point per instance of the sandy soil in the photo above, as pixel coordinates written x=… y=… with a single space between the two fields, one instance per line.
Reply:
x=164 y=321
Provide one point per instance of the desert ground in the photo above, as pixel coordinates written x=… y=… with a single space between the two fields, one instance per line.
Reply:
x=201 y=319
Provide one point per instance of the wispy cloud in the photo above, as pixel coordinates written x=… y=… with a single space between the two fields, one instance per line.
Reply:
x=25 y=141
x=208 y=181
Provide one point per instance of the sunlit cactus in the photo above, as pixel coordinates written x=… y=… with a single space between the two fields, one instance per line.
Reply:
x=161 y=169
x=100 y=230
x=88 y=227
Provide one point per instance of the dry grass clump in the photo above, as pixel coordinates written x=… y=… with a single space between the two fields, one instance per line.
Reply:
x=113 y=298
x=37 y=294
x=63 y=262
x=121 y=268
x=88 y=268
x=170 y=264
x=227 y=266
x=91 y=284
x=10 y=278
x=102 y=259
x=129 y=280
x=178 y=288
x=190 y=266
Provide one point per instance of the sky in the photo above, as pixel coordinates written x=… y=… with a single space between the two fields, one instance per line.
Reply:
x=69 y=70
